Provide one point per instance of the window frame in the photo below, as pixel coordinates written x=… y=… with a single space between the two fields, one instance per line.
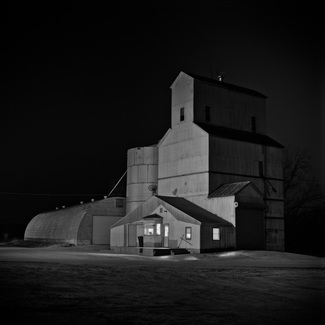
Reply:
x=217 y=238
x=188 y=233
x=261 y=168
x=253 y=124
x=182 y=114
x=208 y=113
x=158 y=229
x=147 y=227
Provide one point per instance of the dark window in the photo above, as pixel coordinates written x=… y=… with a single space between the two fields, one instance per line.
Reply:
x=188 y=233
x=182 y=116
x=260 y=168
x=207 y=113
x=253 y=124
x=119 y=203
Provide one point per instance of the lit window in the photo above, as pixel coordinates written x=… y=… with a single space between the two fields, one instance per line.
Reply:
x=207 y=113
x=216 y=234
x=188 y=233
x=166 y=230
x=149 y=230
x=181 y=116
x=158 y=229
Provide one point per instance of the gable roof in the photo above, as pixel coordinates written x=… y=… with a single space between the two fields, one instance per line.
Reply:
x=232 y=189
x=245 y=136
x=180 y=208
x=194 y=210
x=226 y=85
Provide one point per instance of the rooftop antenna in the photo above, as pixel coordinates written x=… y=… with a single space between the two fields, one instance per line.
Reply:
x=217 y=74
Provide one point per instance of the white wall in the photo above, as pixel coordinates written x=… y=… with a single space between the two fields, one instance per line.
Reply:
x=117 y=236
x=182 y=96
x=142 y=171
x=183 y=162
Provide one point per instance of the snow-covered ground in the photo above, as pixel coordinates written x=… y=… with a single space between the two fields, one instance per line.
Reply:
x=93 y=285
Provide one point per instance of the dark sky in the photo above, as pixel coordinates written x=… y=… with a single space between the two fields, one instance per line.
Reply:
x=84 y=81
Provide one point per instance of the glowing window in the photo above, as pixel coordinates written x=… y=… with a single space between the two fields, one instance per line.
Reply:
x=188 y=233
x=149 y=230
x=166 y=230
x=216 y=234
x=158 y=229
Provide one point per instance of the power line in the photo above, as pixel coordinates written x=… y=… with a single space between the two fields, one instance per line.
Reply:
x=49 y=194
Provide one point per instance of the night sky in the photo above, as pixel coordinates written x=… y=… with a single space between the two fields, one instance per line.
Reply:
x=84 y=81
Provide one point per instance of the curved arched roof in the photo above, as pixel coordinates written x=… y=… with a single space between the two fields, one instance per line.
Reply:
x=65 y=225
x=62 y=225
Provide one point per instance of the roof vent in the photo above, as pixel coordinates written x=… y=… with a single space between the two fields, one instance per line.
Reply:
x=217 y=74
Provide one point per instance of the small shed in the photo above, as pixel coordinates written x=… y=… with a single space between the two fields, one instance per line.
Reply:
x=87 y=223
x=171 y=222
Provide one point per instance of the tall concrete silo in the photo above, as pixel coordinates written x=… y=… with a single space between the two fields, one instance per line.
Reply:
x=142 y=175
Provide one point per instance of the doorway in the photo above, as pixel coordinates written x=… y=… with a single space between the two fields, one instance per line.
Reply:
x=249 y=229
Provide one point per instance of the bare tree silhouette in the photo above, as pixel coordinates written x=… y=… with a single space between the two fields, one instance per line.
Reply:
x=304 y=205
x=302 y=192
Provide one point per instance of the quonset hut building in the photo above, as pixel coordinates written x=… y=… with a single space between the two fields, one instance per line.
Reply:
x=213 y=182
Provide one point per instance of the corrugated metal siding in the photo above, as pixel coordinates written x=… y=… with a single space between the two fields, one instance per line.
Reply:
x=68 y=225
x=222 y=84
x=227 y=238
x=239 y=135
x=58 y=226
x=184 y=161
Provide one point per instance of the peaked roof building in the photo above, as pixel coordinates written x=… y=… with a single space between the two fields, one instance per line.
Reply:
x=213 y=182
x=218 y=158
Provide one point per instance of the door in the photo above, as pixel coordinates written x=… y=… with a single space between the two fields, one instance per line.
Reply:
x=166 y=235
x=249 y=229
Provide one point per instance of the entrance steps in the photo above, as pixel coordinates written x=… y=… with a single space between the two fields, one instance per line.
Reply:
x=151 y=251
x=178 y=251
